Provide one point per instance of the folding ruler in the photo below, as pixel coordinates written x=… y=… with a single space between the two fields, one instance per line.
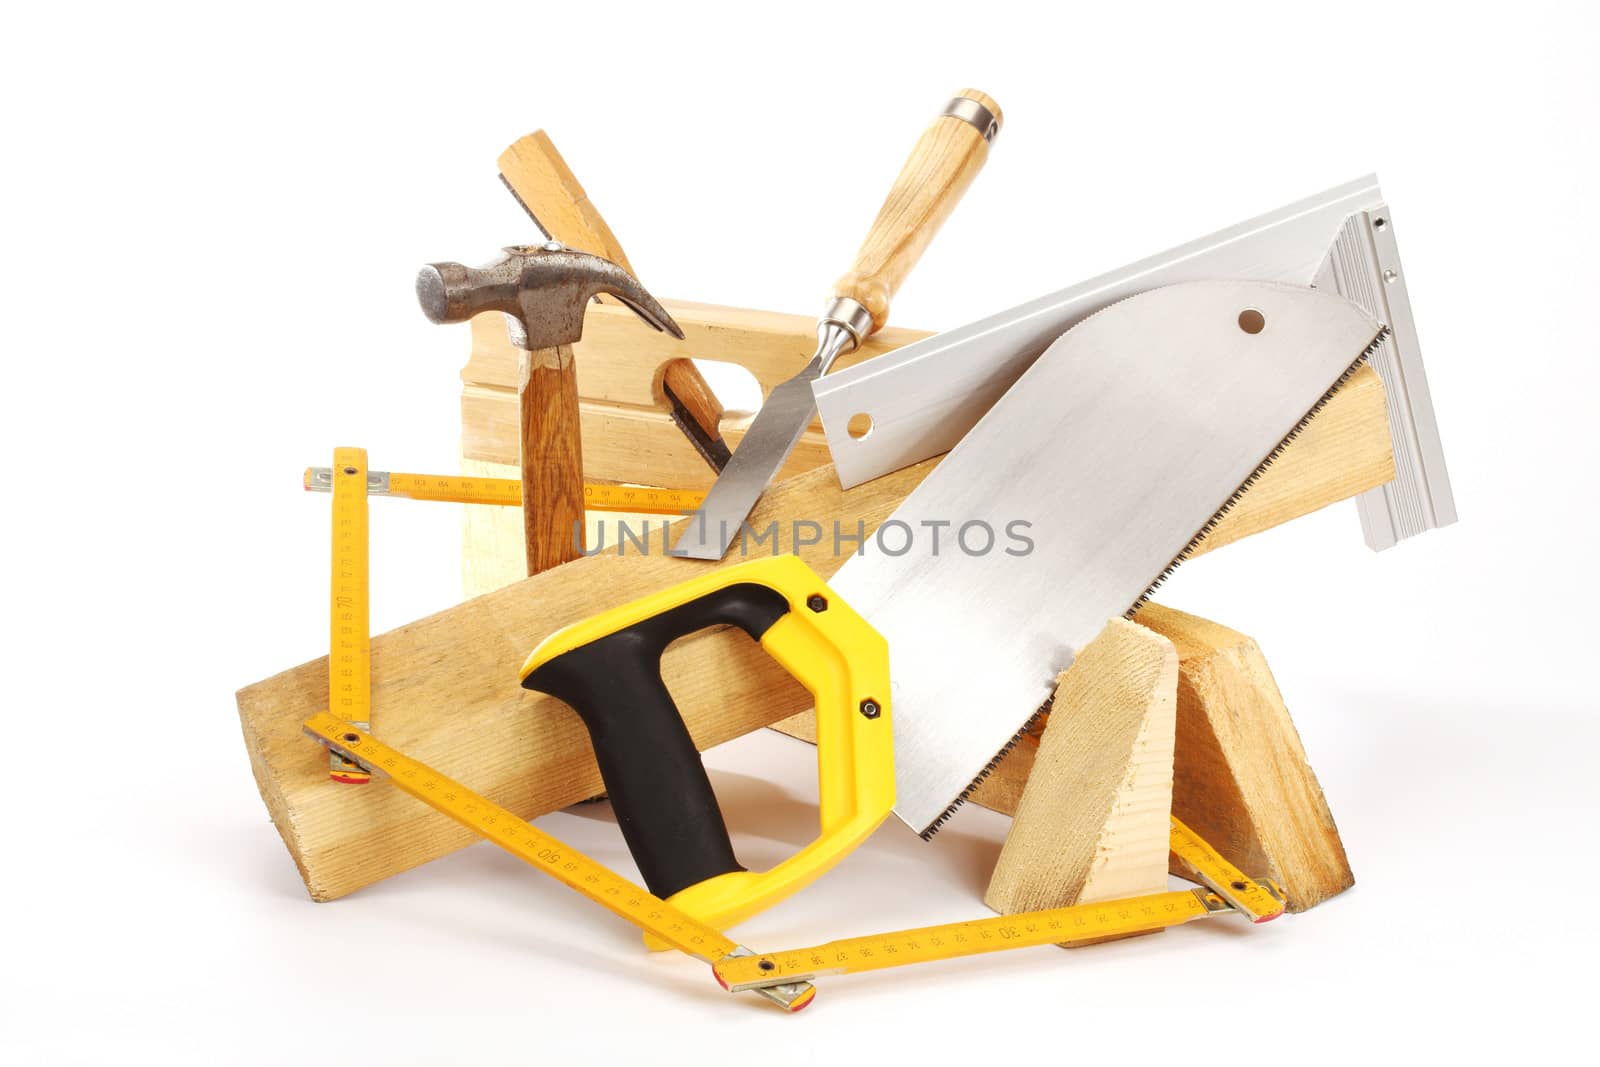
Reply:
x=349 y=630
x=784 y=978
x=508 y=491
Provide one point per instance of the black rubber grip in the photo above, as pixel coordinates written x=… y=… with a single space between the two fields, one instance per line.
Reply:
x=653 y=774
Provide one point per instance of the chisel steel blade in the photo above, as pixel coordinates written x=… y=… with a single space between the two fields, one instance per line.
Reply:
x=777 y=428
x=1072 y=498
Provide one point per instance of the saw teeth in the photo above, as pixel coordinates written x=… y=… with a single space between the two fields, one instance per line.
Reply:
x=1188 y=550
x=1211 y=524
x=988 y=769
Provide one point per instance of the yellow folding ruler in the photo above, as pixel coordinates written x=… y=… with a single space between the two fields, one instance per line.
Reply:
x=349 y=631
x=785 y=977
x=1228 y=891
x=508 y=491
x=538 y=849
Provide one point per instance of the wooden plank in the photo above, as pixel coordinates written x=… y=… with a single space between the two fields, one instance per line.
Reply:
x=1243 y=782
x=445 y=686
x=1094 y=821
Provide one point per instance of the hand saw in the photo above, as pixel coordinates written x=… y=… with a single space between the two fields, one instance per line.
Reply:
x=1228 y=891
x=942 y=164
x=784 y=978
x=919 y=400
x=1113 y=455
x=349 y=632
x=507 y=492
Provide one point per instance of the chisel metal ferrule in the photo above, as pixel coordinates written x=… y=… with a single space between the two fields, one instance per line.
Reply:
x=848 y=313
x=975 y=115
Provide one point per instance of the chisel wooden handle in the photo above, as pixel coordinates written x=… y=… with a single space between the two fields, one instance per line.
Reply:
x=945 y=160
x=552 y=458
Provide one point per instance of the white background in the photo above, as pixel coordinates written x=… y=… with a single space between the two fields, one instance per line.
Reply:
x=212 y=218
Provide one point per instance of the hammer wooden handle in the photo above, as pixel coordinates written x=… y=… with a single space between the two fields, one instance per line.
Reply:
x=942 y=165
x=552 y=458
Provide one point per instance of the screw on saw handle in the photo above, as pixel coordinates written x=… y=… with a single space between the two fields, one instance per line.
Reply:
x=658 y=786
x=945 y=160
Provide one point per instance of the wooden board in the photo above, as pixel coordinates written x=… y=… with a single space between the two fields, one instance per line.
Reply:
x=621 y=361
x=1243 y=782
x=1094 y=821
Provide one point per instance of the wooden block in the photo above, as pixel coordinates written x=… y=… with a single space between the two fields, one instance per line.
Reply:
x=1093 y=822
x=1241 y=779
x=1243 y=782
x=619 y=363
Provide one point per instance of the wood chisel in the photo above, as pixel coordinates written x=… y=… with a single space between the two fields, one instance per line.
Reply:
x=941 y=167
x=507 y=492
x=1099 y=471
x=349 y=629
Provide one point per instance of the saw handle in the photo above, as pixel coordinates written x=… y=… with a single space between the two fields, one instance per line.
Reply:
x=652 y=771
x=945 y=160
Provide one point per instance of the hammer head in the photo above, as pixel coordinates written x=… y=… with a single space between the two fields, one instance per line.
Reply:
x=542 y=289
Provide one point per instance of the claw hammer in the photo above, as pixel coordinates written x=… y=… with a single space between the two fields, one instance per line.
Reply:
x=543 y=291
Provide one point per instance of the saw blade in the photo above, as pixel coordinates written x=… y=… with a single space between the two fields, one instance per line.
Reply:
x=1111 y=458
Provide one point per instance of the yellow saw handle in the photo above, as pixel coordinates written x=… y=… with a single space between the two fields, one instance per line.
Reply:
x=608 y=670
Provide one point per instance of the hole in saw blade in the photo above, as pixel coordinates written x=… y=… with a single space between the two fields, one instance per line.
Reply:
x=859 y=426
x=1252 y=321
